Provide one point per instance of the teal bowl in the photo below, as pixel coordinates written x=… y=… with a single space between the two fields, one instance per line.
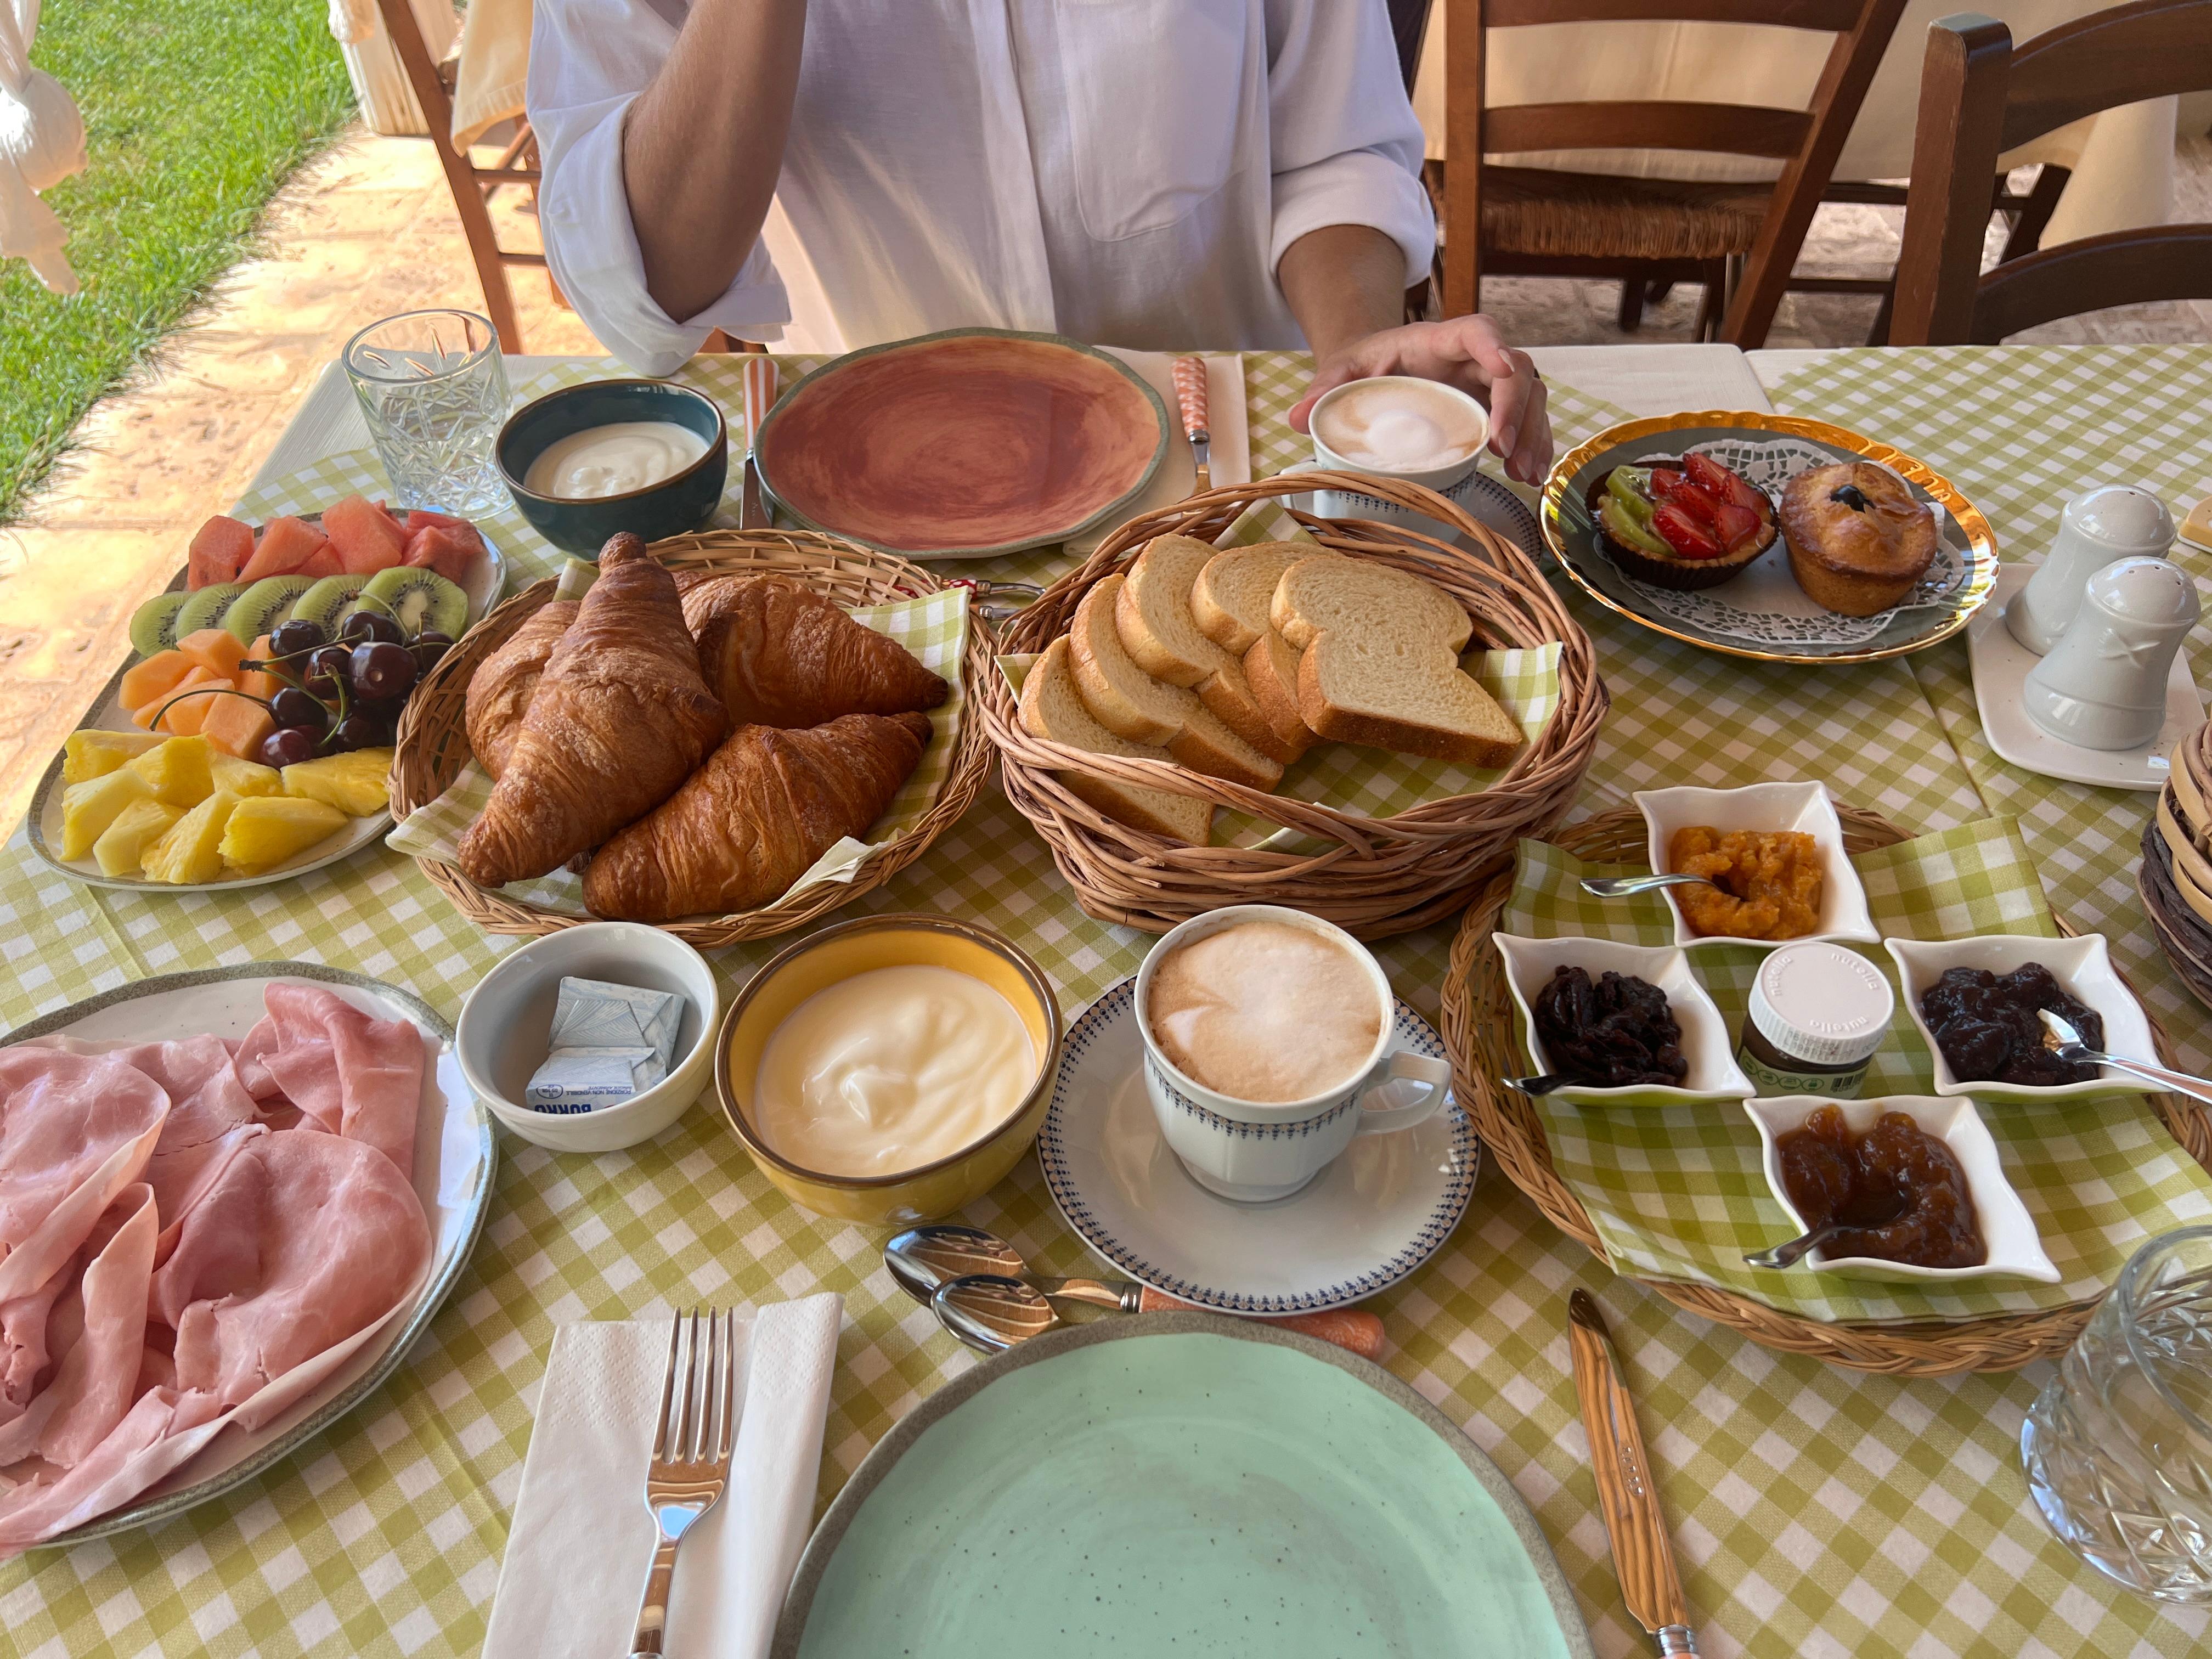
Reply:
x=684 y=502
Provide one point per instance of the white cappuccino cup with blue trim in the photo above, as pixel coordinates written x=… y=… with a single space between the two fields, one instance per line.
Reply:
x=1255 y=1150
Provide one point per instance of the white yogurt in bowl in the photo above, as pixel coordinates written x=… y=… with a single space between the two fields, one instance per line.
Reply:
x=613 y=460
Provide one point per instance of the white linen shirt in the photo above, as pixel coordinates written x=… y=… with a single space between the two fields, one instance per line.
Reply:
x=1128 y=171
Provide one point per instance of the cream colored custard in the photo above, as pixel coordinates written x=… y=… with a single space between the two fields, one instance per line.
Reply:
x=890 y=1070
x=613 y=460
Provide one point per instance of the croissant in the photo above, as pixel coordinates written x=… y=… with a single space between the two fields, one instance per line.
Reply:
x=750 y=822
x=620 y=718
x=501 y=688
x=777 y=653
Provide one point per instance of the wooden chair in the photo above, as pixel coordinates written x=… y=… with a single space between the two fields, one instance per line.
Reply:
x=472 y=186
x=1537 y=221
x=1978 y=98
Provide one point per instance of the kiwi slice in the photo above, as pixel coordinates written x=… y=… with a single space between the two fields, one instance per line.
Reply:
x=262 y=606
x=417 y=599
x=153 y=624
x=326 y=602
x=205 y=609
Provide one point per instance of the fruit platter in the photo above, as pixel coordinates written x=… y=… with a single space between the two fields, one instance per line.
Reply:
x=250 y=737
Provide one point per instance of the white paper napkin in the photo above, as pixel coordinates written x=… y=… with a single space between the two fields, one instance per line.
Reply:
x=577 y=1553
x=1229 y=449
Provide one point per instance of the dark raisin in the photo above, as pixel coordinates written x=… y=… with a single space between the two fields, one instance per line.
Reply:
x=1852 y=497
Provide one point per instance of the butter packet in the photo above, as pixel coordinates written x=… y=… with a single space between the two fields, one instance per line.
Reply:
x=593 y=1013
x=574 y=1081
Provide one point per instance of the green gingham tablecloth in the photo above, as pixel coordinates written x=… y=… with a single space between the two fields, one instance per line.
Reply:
x=1815 y=1510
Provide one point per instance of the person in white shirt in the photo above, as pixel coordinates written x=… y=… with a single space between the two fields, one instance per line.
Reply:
x=1157 y=174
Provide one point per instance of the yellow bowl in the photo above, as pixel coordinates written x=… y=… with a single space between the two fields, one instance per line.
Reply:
x=838 y=953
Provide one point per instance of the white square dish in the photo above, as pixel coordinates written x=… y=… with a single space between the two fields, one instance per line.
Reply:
x=2083 y=966
x=1706 y=1043
x=1771 y=807
x=2014 y=1249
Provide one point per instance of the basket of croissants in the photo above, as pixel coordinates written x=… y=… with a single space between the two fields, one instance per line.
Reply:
x=1297 y=722
x=697 y=742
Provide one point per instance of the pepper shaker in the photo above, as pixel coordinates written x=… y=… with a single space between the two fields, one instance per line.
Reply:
x=2103 y=686
x=2098 y=527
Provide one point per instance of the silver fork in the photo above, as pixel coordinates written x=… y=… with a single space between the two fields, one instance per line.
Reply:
x=690 y=1453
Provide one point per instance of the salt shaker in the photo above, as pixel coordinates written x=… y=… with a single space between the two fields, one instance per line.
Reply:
x=2100 y=526
x=2103 y=685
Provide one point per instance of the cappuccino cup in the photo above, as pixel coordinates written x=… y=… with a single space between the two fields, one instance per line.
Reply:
x=1268 y=1038
x=1400 y=428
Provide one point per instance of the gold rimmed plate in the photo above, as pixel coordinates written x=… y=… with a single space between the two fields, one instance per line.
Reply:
x=1763 y=614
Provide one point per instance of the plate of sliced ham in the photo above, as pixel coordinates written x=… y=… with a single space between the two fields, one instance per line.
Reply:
x=230 y=1201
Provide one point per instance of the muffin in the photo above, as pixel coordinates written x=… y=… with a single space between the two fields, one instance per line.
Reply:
x=1859 y=542
x=1685 y=525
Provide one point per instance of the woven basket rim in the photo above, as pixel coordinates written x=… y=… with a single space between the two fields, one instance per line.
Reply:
x=1376 y=876
x=1515 y=1137
x=433 y=745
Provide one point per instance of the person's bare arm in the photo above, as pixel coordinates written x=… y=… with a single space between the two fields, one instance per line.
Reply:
x=703 y=144
x=1346 y=285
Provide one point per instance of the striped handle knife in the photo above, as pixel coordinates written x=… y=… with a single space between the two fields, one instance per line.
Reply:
x=1190 y=398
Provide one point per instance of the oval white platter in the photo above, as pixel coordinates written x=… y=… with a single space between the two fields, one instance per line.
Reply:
x=455 y=1160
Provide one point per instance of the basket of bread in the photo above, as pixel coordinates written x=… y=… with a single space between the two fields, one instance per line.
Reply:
x=1360 y=724
x=728 y=735
x=2174 y=879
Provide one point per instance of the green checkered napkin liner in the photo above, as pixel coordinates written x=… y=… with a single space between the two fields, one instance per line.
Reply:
x=1679 y=1192
x=1377 y=783
x=934 y=627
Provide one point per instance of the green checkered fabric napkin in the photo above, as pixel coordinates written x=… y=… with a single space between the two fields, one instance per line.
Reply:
x=934 y=627
x=1378 y=783
x=1679 y=1192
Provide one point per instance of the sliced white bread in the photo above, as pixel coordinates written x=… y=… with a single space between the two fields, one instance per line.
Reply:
x=1229 y=696
x=1054 y=709
x=1381 y=663
x=1235 y=587
x=1132 y=704
x=1154 y=614
x=1271 y=669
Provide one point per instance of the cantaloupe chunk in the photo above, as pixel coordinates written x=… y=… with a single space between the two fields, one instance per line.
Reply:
x=219 y=551
x=286 y=545
x=148 y=681
x=181 y=719
x=215 y=650
x=237 y=726
x=258 y=682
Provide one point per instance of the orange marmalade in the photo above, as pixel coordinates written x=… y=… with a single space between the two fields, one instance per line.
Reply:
x=1765 y=883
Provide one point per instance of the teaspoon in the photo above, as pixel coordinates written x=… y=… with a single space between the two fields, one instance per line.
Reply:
x=1541 y=1084
x=1788 y=1254
x=1623 y=886
x=2065 y=1042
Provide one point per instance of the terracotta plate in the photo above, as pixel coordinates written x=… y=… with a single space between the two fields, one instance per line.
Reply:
x=962 y=444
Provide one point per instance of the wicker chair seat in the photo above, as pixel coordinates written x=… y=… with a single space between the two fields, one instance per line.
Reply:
x=1536 y=211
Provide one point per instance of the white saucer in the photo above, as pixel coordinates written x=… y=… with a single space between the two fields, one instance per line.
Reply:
x=1480 y=496
x=2001 y=667
x=1365 y=1222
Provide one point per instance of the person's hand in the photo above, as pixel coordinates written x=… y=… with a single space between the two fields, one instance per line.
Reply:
x=1464 y=352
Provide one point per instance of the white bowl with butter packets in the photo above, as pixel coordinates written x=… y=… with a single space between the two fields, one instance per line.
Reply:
x=508 y=1026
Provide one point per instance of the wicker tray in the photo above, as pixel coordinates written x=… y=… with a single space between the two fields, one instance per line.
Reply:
x=1479 y=1031
x=433 y=746
x=1377 y=876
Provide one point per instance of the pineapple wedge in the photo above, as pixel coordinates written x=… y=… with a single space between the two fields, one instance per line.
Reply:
x=89 y=808
x=191 y=849
x=266 y=830
x=177 y=771
x=93 y=754
x=358 y=783
x=123 y=844
x=244 y=777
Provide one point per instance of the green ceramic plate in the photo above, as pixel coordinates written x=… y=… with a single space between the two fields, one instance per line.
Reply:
x=1181 y=1483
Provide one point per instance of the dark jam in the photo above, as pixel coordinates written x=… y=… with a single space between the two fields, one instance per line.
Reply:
x=1616 y=1033
x=1899 y=1191
x=1986 y=1025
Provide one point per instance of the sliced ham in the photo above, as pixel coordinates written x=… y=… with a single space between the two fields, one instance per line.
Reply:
x=98 y=1334
x=23 y=1349
x=161 y=1431
x=348 y=1073
x=211 y=1116
x=75 y=1131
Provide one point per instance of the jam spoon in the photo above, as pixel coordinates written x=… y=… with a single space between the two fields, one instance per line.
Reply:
x=1623 y=886
x=2065 y=1043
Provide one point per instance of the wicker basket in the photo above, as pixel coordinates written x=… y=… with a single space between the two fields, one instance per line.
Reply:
x=2176 y=895
x=1479 y=1029
x=434 y=744
x=1377 y=876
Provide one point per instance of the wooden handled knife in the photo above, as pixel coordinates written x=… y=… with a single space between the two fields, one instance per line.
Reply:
x=1190 y=395
x=1643 y=1556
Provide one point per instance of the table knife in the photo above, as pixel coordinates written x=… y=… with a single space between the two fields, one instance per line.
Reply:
x=1642 y=1557
x=760 y=397
x=1190 y=396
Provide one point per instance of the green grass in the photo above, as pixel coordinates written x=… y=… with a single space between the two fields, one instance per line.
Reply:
x=195 y=112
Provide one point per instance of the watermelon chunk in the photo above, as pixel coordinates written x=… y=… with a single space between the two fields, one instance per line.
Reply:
x=322 y=561
x=440 y=550
x=364 y=538
x=218 y=553
x=286 y=545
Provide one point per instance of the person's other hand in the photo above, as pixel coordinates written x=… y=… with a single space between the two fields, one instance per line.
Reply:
x=1466 y=352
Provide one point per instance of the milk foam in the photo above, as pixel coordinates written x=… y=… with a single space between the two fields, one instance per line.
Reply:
x=1265 y=1012
x=1399 y=426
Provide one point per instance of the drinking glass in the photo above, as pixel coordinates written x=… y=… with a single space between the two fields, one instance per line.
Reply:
x=2118 y=1448
x=433 y=389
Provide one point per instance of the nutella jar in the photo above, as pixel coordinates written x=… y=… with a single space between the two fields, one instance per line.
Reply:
x=1817 y=1013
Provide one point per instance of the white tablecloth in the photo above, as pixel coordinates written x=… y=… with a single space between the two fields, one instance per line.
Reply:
x=2122 y=160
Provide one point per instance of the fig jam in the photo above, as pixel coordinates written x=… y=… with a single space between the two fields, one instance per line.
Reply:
x=1901 y=1192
